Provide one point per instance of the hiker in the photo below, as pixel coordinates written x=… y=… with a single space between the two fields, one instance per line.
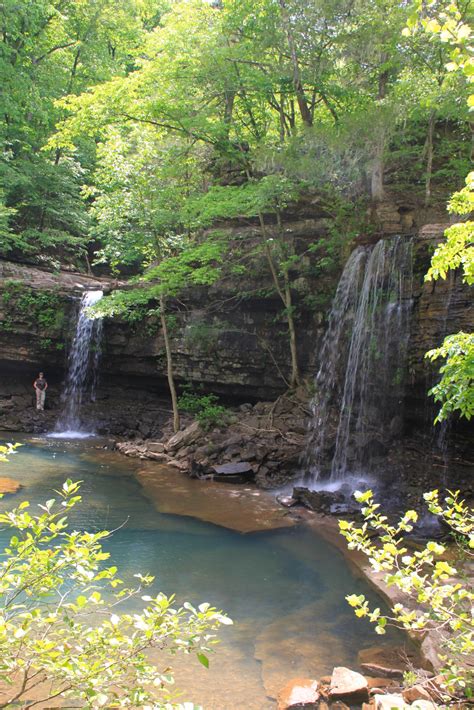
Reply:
x=40 y=386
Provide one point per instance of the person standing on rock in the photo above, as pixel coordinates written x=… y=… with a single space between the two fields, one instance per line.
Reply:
x=40 y=386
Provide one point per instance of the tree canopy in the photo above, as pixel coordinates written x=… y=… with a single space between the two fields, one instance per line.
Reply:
x=129 y=130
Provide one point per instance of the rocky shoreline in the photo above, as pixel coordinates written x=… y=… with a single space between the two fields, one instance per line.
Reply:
x=346 y=688
x=261 y=443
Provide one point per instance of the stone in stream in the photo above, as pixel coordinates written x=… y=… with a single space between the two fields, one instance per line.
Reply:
x=240 y=472
x=416 y=693
x=389 y=702
x=389 y=661
x=299 y=693
x=156 y=447
x=286 y=501
x=8 y=485
x=318 y=501
x=348 y=685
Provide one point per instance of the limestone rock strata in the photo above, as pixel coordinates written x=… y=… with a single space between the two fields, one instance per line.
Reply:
x=232 y=345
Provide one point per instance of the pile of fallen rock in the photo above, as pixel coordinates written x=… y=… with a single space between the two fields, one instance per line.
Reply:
x=262 y=443
x=346 y=688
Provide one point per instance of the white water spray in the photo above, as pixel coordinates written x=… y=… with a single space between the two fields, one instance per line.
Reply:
x=359 y=386
x=82 y=371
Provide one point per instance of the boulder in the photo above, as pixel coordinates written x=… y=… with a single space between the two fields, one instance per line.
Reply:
x=348 y=685
x=299 y=693
x=416 y=693
x=229 y=469
x=155 y=447
x=388 y=661
x=237 y=472
x=286 y=501
x=318 y=501
x=185 y=437
x=389 y=702
x=160 y=457
x=424 y=705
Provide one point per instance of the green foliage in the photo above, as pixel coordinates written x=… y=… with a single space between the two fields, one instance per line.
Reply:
x=447 y=20
x=458 y=249
x=44 y=309
x=50 y=49
x=455 y=390
x=205 y=409
x=204 y=336
x=61 y=631
x=437 y=597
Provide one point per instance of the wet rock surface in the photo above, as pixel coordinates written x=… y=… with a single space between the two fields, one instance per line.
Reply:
x=235 y=507
x=299 y=693
x=390 y=662
x=348 y=685
x=119 y=410
x=346 y=688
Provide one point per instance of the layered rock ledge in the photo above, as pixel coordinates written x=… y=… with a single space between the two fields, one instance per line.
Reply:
x=261 y=443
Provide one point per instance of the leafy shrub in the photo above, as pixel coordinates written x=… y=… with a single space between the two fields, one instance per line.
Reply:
x=60 y=629
x=437 y=596
x=205 y=408
x=43 y=308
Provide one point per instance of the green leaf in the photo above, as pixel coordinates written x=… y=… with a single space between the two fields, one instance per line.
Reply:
x=203 y=660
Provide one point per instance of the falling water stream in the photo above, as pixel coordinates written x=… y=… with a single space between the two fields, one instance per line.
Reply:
x=82 y=370
x=359 y=385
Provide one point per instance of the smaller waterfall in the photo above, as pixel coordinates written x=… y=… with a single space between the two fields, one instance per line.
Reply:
x=82 y=370
x=359 y=386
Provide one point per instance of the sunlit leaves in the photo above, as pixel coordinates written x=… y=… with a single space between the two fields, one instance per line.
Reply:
x=437 y=596
x=455 y=390
x=60 y=619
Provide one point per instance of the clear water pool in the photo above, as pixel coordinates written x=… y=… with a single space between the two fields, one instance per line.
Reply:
x=284 y=589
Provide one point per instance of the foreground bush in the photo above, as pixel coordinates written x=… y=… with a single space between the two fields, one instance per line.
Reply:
x=438 y=597
x=61 y=634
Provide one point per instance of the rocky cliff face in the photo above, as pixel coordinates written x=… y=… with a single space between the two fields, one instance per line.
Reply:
x=440 y=308
x=236 y=346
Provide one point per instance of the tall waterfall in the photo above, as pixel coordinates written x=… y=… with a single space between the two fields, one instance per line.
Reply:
x=359 y=385
x=82 y=369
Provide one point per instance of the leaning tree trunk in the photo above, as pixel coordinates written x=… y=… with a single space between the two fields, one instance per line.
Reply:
x=285 y=295
x=169 y=364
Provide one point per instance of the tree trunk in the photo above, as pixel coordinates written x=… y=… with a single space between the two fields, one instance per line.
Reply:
x=295 y=371
x=285 y=295
x=303 y=106
x=429 y=156
x=169 y=365
x=378 y=164
x=229 y=98
x=376 y=181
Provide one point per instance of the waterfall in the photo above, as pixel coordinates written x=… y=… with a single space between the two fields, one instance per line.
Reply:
x=359 y=385
x=82 y=369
